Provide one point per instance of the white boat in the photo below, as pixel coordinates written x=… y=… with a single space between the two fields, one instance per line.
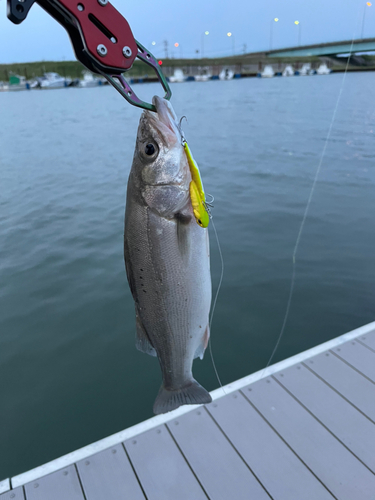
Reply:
x=35 y=84
x=4 y=87
x=204 y=75
x=305 y=70
x=89 y=80
x=54 y=81
x=267 y=72
x=178 y=76
x=226 y=74
x=323 y=69
x=288 y=71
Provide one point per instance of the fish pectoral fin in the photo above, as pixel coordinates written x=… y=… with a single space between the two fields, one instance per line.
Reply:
x=142 y=341
x=199 y=353
x=129 y=271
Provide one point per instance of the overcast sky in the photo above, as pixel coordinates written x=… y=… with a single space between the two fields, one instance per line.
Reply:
x=39 y=37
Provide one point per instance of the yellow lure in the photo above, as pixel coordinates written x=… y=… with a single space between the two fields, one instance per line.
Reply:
x=197 y=196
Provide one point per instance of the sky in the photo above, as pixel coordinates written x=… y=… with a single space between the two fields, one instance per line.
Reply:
x=40 y=37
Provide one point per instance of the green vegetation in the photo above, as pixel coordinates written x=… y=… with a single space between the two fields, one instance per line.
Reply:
x=73 y=69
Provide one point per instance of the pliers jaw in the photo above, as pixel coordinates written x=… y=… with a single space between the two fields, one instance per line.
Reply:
x=123 y=87
x=102 y=40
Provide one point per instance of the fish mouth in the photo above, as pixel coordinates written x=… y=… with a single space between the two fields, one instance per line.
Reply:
x=164 y=121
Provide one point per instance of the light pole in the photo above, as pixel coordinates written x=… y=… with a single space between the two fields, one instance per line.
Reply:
x=233 y=42
x=297 y=23
x=275 y=20
x=166 y=48
x=202 y=42
x=368 y=4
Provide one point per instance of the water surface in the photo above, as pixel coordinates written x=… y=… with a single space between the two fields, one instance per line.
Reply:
x=69 y=371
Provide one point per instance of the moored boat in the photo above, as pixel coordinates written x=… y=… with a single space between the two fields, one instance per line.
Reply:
x=53 y=81
x=268 y=72
x=288 y=71
x=178 y=76
x=226 y=74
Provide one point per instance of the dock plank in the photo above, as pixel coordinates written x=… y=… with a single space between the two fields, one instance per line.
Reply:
x=368 y=339
x=359 y=356
x=4 y=485
x=342 y=419
x=342 y=473
x=271 y=460
x=161 y=468
x=108 y=475
x=16 y=494
x=60 y=485
x=219 y=468
x=344 y=379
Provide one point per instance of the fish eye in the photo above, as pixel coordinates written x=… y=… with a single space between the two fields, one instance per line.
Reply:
x=149 y=150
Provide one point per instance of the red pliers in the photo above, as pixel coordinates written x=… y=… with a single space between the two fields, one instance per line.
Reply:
x=101 y=38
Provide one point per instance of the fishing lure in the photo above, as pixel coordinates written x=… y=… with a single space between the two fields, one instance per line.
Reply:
x=197 y=195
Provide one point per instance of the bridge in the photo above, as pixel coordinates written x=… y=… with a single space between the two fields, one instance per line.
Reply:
x=325 y=49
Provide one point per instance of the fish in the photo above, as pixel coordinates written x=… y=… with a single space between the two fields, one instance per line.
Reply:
x=167 y=258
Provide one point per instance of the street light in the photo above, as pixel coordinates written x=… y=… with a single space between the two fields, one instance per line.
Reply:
x=275 y=20
x=368 y=4
x=202 y=42
x=233 y=42
x=297 y=23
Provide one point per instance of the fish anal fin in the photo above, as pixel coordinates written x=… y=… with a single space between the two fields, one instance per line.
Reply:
x=199 y=353
x=142 y=342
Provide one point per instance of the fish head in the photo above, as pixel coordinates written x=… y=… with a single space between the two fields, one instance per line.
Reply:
x=160 y=167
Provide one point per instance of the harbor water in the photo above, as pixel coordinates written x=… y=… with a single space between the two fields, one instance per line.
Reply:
x=69 y=370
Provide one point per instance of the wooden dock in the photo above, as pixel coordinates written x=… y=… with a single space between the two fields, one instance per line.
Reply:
x=304 y=429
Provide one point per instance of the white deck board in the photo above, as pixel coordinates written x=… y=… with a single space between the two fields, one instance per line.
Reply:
x=353 y=386
x=336 y=467
x=161 y=468
x=108 y=474
x=60 y=485
x=301 y=429
x=216 y=463
x=16 y=494
x=344 y=421
x=358 y=356
x=4 y=485
x=268 y=456
x=368 y=340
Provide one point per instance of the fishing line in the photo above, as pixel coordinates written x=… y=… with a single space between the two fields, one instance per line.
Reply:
x=309 y=203
x=214 y=304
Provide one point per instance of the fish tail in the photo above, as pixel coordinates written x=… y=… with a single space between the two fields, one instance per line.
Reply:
x=192 y=394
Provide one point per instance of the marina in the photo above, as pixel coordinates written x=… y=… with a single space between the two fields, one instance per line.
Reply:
x=282 y=405
x=53 y=80
x=303 y=428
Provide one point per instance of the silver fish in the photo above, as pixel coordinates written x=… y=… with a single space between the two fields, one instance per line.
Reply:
x=167 y=259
